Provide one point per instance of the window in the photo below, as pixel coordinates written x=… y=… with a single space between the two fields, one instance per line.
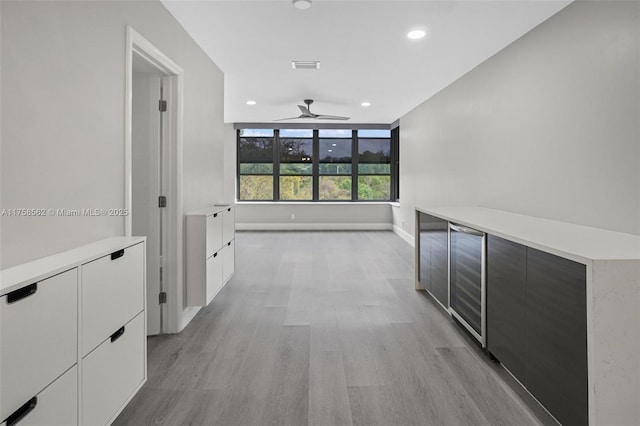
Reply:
x=255 y=164
x=335 y=168
x=317 y=165
x=296 y=165
x=374 y=165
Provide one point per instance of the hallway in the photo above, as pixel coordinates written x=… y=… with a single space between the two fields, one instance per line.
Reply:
x=324 y=328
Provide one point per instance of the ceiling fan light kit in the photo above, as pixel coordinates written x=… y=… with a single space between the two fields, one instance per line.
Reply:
x=302 y=4
x=306 y=114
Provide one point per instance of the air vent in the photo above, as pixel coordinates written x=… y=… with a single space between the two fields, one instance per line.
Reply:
x=305 y=65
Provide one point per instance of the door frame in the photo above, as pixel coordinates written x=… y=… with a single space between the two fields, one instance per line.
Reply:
x=172 y=169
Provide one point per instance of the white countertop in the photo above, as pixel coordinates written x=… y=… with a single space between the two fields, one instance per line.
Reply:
x=27 y=273
x=216 y=208
x=580 y=243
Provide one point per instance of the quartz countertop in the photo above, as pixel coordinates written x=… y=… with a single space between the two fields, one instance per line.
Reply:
x=580 y=243
x=18 y=276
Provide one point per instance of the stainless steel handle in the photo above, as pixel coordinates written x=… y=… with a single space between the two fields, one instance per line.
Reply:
x=466 y=230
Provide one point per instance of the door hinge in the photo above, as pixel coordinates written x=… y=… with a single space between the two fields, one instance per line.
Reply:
x=162 y=298
x=162 y=105
x=162 y=201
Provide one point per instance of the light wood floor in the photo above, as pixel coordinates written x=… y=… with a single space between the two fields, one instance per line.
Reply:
x=324 y=328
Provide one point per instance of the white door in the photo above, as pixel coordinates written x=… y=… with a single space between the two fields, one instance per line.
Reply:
x=146 y=137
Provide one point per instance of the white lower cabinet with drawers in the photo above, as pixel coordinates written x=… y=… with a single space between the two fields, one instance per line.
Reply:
x=72 y=335
x=210 y=252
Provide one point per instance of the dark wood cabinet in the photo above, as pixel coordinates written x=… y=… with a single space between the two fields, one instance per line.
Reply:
x=537 y=325
x=506 y=301
x=556 y=371
x=433 y=256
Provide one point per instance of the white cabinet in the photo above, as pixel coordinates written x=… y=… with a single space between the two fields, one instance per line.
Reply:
x=112 y=294
x=74 y=318
x=56 y=405
x=228 y=260
x=39 y=337
x=210 y=258
x=112 y=371
x=228 y=224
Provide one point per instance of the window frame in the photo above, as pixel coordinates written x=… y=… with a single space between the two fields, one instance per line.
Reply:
x=315 y=174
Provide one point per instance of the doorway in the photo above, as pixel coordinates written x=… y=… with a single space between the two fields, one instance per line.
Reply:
x=153 y=177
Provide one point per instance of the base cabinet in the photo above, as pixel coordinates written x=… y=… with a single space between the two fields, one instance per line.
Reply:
x=73 y=335
x=111 y=372
x=557 y=336
x=506 y=299
x=537 y=325
x=57 y=404
x=39 y=338
x=433 y=257
x=210 y=259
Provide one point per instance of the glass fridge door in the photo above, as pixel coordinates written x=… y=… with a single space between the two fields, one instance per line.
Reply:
x=467 y=292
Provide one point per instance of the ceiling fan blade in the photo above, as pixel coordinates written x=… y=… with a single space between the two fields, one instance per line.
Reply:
x=290 y=118
x=305 y=112
x=331 y=117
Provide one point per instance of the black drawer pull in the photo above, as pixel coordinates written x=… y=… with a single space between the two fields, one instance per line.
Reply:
x=215 y=254
x=115 y=336
x=215 y=215
x=21 y=293
x=229 y=243
x=21 y=412
x=229 y=209
x=117 y=254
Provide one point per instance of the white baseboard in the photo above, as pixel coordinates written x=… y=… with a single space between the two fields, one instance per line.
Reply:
x=404 y=235
x=313 y=226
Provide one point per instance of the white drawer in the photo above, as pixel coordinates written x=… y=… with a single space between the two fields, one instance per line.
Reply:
x=214 y=275
x=112 y=372
x=214 y=233
x=38 y=338
x=228 y=224
x=57 y=405
x=112 y=293
x=228 y=260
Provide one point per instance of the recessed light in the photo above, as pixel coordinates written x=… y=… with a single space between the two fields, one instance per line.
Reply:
x=333 y=144
x=330 y=150
x=302 y=4
x=305 y=65
x=366 y=104
x=416 y=34
x=251 y=102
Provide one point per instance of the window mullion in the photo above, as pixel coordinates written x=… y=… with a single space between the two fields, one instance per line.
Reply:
x=354 y=165
x=315 y=171
x=276 y=165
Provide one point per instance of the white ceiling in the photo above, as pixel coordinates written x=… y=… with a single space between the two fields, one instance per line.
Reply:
x=362 y=46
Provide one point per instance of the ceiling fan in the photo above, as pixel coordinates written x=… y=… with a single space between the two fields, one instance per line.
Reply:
x=308 y=114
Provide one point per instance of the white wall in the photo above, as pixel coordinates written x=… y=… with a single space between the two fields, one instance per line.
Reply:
x=313 y=216
x=548 y=127
x=230 y=153
x=62 y=102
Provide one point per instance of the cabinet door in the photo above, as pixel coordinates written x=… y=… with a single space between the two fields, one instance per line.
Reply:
x=112 y=372
x=424 y=268
x=440 y=262
x=433 y=274
x=38 y=337
x=228 y=261
x=214 y=275
x=506 y=301
x=556 y=371
x=57 y=405
x=112 y=294
x=214 y=233
x=228 y=225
